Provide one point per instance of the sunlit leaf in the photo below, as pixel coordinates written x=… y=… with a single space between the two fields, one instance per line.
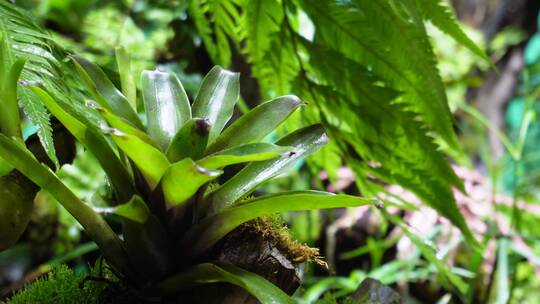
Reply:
x=135 y=210
x=257 y=123
x=151 y=161
x=243 y=154
x=304 y=142
x=104 y=91
x=166 y=105
x=204 y=235
x=183 y=179
x=216 y=98
x=126 y=78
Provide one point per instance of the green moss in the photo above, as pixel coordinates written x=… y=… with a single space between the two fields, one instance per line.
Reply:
x=60 y=286
x=274 y=229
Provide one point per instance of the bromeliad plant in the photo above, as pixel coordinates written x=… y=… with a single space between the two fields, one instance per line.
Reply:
x=160 y=172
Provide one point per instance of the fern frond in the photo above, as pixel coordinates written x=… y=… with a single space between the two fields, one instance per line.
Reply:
x=25 y=39
x=380 y=130
x=391 y=40
x=278 y=68
x=260 y=20
x=217 y=22
x=443 y=18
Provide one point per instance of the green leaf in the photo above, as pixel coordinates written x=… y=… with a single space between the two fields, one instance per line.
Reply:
x=46 y=64
x=126 y=78
x=216 y=98
x=211 y=229
x=182 y=180
x=104 y=91
x=94 y=140
x=438 y=12
x=257 y=123
x=122 y=125
x=135 y=210
x=151 y=161
x=166 y=104
x=220 y=26
x=10 y=123
x=261 y=19
x=385 y=132
x=190 y=141
x=243 y=154
x=376 y=34
x=206 y=273
x=5 y=167
x=96 y=227
x=304 y=142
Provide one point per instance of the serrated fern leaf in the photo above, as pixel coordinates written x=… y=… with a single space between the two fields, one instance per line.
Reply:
x=388 y=37
x=217 y=22
x=25 y=39
x=380 y=131
x=443 y=18
x=261 y=19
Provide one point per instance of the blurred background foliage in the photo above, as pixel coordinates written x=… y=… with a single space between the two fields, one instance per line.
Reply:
x=383 y=123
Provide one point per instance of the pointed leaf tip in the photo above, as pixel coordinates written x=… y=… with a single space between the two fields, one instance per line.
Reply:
x=166 y=104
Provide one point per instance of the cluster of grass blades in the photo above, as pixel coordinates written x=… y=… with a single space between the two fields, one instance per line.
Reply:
x=160 y=170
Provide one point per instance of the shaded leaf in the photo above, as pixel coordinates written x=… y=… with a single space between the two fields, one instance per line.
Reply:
x=206 y=273
x=96 y=227
x=10 y=123
x=94 y=140
x=190 y=141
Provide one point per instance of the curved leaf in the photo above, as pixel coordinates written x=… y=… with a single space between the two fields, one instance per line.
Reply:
x=104 y=91
x=10 y=123
x=216 y=98
x=126 y=78
x=304 y=142
x=151 y=162
x=190 y=141
x=166 y=104
x=441 y=16
x=243 y=154
x=205 y=234
x=123 y=126
x=96 y=227
x=23 y=38
x=206 y=273
x=183 y=179
x=95 y=142
x=257 y=123
x=135 y=210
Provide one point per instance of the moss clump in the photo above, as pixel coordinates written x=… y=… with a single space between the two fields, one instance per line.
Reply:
x=61 y=285
x=274 y=230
